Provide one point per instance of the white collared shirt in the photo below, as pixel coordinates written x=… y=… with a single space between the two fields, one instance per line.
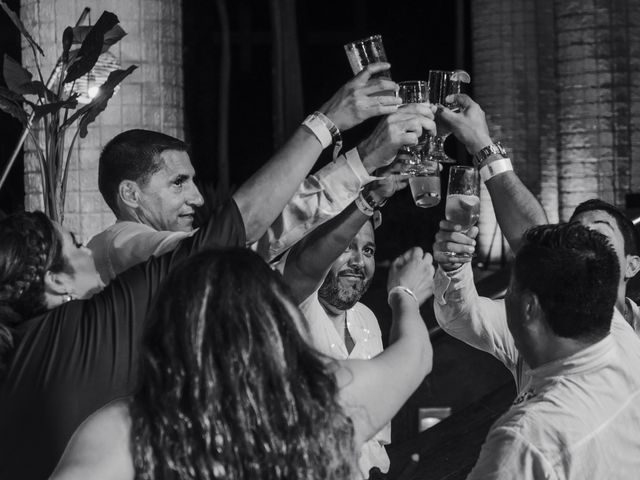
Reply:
x=365 y=332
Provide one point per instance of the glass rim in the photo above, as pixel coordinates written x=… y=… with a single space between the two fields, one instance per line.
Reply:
x=377 y=36
x=441 y=71
x=407 y=82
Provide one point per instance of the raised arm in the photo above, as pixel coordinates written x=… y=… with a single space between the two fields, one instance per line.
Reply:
x=308 y=262
x=372 y=391
x=261 y=198
x=516 y=208
x=460 y=311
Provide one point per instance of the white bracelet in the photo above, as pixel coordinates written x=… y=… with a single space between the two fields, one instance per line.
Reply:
x=319 y=128
x=495 y=168
x=400 y=288
x=364 y=206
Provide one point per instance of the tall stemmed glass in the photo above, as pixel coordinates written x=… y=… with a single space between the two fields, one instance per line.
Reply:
x=441 y=84
x=463 y=200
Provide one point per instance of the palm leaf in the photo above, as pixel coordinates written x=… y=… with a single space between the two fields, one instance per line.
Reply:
x=88 y=113
x=11 y=103
x=91 y=47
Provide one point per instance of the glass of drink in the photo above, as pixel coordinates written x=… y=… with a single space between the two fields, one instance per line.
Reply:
x=424 y=181
x=463 y=200
x=441 y=84
x=415 y=91
x=363 y=52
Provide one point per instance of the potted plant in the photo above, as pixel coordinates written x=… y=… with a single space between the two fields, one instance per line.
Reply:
x=53 y=105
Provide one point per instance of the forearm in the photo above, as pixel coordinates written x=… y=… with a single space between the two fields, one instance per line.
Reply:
x=310 y=259
x=409 y=334
x=516 y=208
x=263 y=197
x=321 y=197
x=477 y=321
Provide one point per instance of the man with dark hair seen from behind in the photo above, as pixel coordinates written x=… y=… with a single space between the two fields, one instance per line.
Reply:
x=577 y=370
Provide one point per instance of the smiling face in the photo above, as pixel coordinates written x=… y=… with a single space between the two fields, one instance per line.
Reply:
x=82 y=279
x=351 y=274
x=169 y=198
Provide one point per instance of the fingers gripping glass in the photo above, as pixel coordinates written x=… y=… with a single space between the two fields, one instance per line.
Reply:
x=463 y=201
x=443 y=83
x=424 y=174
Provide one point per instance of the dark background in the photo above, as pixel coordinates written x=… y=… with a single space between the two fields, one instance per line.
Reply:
x=418 y=36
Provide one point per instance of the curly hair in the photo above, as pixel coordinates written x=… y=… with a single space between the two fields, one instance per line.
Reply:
x=229 y=387
x=29 y=247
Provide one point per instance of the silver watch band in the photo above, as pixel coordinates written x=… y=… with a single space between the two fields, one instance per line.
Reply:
x=481 y=156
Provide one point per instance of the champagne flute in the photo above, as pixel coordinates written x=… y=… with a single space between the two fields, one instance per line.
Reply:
x=443 y=83
x=463 y=200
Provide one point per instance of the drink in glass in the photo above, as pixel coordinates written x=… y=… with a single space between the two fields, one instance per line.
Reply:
x=415 y=91
x=441 y=84
x=463 y=200
x=425 y=183
x=363 y=52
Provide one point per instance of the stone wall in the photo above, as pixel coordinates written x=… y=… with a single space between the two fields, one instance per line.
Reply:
x=151 y=97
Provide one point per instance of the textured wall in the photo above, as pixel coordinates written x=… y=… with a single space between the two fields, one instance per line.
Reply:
x=598 y=100
x=559 y=82
x=151 y=97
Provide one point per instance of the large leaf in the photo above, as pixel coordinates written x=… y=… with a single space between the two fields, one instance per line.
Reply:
x=14 y=74
x=18 y=23
x=90 y=112
x=110 y=38
x=42 y=110
x=19 y=81
x=91 y=47
x=11 y=103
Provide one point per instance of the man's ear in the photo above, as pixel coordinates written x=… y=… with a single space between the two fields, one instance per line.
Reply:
x=633 y=267
x=56 y=283
x=128 y=193
x=532 y=310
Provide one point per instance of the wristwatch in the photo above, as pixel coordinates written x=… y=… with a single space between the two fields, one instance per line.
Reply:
x=375 y=204
x=480 y=157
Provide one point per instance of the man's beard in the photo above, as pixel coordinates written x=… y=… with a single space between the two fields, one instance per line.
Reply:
x=340 y=296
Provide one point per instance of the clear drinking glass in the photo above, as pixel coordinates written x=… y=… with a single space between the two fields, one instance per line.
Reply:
x=424 y=182
x=441 y=84
x=463 y=200
x=415 y=91
x=363 y=52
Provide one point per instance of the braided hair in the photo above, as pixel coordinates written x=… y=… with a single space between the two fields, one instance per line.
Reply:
x=29 y=247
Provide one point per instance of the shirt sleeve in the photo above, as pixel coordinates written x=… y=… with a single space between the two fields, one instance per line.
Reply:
x=506 y=455
x=320 y=197
x=477 y=321
x=137 y=244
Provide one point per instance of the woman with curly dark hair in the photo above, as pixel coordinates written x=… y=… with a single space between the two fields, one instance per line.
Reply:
x=232 y=390
x=65 y=349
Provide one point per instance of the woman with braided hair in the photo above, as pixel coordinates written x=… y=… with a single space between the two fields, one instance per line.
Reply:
x=234 y=390
x=69 y=346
